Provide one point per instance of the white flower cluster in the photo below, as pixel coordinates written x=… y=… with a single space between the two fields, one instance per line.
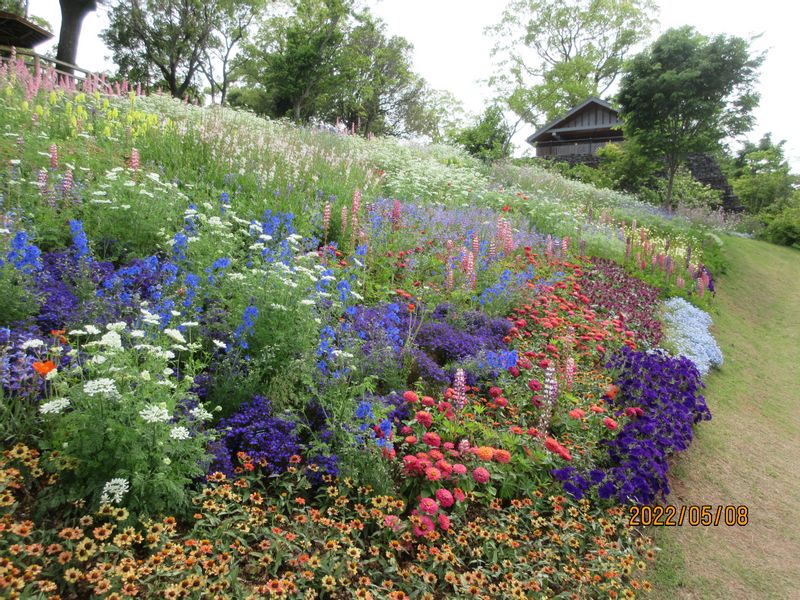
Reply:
x=114 y=490
x=103 y=386
x=154 y=414
x=54 y=407
x=179 y=433
x=687 y=332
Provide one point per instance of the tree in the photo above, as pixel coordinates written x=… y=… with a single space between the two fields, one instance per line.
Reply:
x=72 y=14
x=686 y=93
x=557 y=53
x=762 y=175
x=220 y=61
x=290 y=65
x=488 y=137
x=162 y=37
x=375 y=86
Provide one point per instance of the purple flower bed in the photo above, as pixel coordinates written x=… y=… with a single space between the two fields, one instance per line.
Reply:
x=612 y=290
x=666 y=391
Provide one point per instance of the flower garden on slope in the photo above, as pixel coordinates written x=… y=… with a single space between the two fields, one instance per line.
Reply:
x=231 y=367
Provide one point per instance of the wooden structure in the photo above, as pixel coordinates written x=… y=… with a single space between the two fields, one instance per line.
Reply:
x=17 y=31
x=581 y=132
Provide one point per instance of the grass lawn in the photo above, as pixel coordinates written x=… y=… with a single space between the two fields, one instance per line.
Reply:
x=748 y=453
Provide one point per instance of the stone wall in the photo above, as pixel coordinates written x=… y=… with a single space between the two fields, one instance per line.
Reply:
x=705 y=169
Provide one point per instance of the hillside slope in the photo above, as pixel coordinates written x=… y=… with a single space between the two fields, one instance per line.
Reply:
x=748 y=456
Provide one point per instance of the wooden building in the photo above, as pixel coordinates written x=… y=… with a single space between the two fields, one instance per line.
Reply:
x=17 y=31
x=581 y=132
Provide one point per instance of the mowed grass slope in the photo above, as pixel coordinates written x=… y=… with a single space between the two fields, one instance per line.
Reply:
x=750 y=452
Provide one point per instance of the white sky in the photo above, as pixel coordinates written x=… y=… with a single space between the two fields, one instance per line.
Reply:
x=451 y=52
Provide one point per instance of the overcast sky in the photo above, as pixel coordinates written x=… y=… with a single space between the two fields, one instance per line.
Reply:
x=452 y=53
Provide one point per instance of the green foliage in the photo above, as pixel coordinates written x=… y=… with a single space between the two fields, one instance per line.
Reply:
x=558 y=53
x=685 y=93
x=489 y=138
x=162 y=40
x=291 y=61
x=19 y=302
x=783 y=224
x=762 y=175
x=123 y=419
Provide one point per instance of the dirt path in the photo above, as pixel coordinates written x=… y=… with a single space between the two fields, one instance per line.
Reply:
x=750 y=452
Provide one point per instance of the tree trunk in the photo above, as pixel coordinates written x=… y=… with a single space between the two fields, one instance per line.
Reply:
x=72 y=14
x=671 y=170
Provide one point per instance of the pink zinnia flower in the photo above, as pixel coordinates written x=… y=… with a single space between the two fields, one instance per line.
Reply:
x=577 y=413
x=425 y=527
x=459 y=469
x=392 y=522
x=424 y=418
x=428 y=505
x=481 y=475
x=444 y=521
x=433 y=474
x=445 y=498
x=432 y=439
x=459 y=494
x=610 y=423
x=410 y=397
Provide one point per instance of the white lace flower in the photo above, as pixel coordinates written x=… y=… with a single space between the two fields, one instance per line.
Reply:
x=112 y=341
x=155 y=414
x=118 y=326
x=200 y=413
x=175 y=335
x=219 y=344
x=91 y=329
x=114 y=490
x=103 y=386
x=179 y=433
x=32 y=344
x=54 y=407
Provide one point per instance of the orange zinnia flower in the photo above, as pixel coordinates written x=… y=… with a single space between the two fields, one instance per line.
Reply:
x=43 y=368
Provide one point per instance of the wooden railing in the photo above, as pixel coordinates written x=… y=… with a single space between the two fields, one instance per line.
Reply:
x=37 y=60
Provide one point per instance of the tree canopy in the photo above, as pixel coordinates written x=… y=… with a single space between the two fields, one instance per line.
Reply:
x=164 y=40
x=687 y=92
x=556 y=53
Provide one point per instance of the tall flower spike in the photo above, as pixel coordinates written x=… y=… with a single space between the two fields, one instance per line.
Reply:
x=53 y=156
x=344 y=219
x=460 y=390
x=356 y=202
x=569 y=372
x=476 y=245
x=66 y=184
x=564 y=246
x=134 y=162
x=550 y=398
x=396 y=214
x=326 y=220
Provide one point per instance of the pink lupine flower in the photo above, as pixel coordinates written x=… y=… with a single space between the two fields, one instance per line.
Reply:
x=53 y=156
x=460 y=389
x=344 y=219
x=326 y=219
x=134 y=162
